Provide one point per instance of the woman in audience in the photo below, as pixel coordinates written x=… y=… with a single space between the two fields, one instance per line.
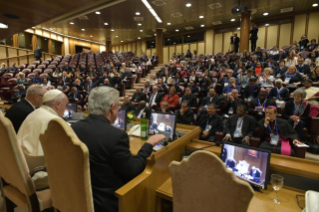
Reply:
x=173 y=59
x=63 y=86
x=147 y=87
x=21 y=79
x=315 y=77
x=263 y=58
x=193 y=77
x=57 y=73
x=246 y=57
x=296 y=112
x=199 y=66
x=172 y=98
x=292 y=76
x=91 y=73
x=258 y=69
x=312 y=61
x=279 y=92
x=206 y=75
x=244 y=79
x=161 y=86
x=240 y=68
x=291 y=60
x=77 y=75
x=178 y=64
x=265 y=79
x=167 y=79
x=178 y=79
x=194 y=54
x=3 y=69
x=312 y=92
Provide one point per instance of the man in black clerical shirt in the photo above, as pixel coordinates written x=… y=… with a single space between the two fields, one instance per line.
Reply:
x=251 y=91
x=138 y=96
x=185 y=115
x=303 y=69
x=164 y=108
x=189 y=97
x=112 y=165
x=127 y=106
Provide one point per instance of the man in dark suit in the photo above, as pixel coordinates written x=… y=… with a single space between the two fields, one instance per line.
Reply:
x=210 y=124
x=210 y=66
x=260 y=102
x=155 y=97
x=66 y=67
x=211 y=99
x=38 y=53
x=89 y=84
x=233 y=102
x=253 y=37
x=255 y=174
x=116 y=81
x=193 y=87
x=18 y=95
x=13 y=69
x=20 y=110
x=107 y=83
x=189 y=97
x=312 y=45
x=127 y=106
x=251 y=91
x=141 y=108
x=126 y=77
x=240 y=127
x=236 y=42
x=74 y=96
x=138 y=96
x=65 y=78
x=303 y=69
x=280 y=70
x=154 y=59
x=112 y=165
x=280 y=56
x=164 y=108
x=185 y=115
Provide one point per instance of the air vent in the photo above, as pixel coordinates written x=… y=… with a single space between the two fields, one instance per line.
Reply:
x=83 y=17
x=129 y=39
x=285 y=21
x=128 y=30
x=159 y=2
x=288 y=9
x=217 y=22
x=148 y=36
x=175 y=15
x=138 y=19
x=189 y=28
x=215 y=6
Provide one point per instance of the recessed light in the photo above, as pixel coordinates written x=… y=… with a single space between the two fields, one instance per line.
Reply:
x=106 y=24
x=98 y=13
x=33 y=28
x=83 y=29
x=315 y=5
x=137 y=13
x=139 y=24
x=22 y=35
x=45 y=39
x=71 y=23
x=122 y=41
x=189 y=36
x=112 y=30
x=154 y=34
x=91 y=36
x=201 y=16
x=138 y=38
x=141 y=30
x=174 y=43
x=151 y=46
x=116 y=36
x=233 y=19
x=168 y=23
x=168 y=39
x=153 y=42
x=202 y=25
x=176 y=30
x=266 y=24
x=238 y=28
x=188 y=5
x=265 y=14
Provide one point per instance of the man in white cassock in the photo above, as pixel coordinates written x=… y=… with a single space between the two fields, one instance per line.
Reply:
x=54 y=105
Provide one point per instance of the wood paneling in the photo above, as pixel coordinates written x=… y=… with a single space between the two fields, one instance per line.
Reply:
x=125 y=47
x=138 y=48
x=193 y=47
x=284 y=38
x=299 y=27
x=272 y=36
x=201 y=48
x=165 y=55
x=12 y=52
x=143 y=46
x=226 y=46
x=148 y=52
x=15 y=38
x=313 y=29
x=218 y=43
x=22 y=52
x=53 y=36
x=23 y=60
x=178 y=49
x=129 y=47
x=209 y=41
x=3 y=52
x=261 y=37
x=172 y=50
x=134 y=48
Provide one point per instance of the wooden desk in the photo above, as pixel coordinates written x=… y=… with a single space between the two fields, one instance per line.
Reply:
x=261 y=202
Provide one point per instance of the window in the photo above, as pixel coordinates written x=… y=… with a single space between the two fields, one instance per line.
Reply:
x=150 y=44
x=25 y=40
x=173 y=40
x=56 y=47
x=195 y=37
x=8 y=41
x=43 y=43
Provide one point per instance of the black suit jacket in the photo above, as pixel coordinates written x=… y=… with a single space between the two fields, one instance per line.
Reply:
x=284 y=94
x=159 y=110
x=234 y=104
x=278 y=57
x=194 y=89
x=248 y=125
x=216 y=123
x=86 y=87
x=254 y=103
x=111 y=162
x=64 y=68
x=253 y=33
x=38 y=53
x=288 y=111
x=128 y=107
x=192 y=101
x=280 y=71
x=158 y=98
x=138 y=97
x=186 y=118
x=147 y=112
x=305 y=70
x=18 y=113
x=216 y=101
x=248 y=91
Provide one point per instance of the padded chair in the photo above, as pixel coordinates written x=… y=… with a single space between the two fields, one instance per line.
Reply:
x=67 y=161
x=204 y=175
x=17 y=185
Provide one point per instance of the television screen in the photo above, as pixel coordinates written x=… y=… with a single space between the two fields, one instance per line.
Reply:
x=120 y=122
x=162 y=123
x=247 y=163
x=70 y=109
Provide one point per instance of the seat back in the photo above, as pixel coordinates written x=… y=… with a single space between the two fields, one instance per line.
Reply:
x=204 y=175
x=13 y=166
x=67 y=161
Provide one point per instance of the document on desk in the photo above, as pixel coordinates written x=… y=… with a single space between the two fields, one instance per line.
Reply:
x=302 y=145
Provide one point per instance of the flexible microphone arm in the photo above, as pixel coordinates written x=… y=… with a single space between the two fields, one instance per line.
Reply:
x=217 y=143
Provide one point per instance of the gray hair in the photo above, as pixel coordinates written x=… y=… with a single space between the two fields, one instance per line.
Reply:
x=101 y=99
x=232 y=78
x=278 y=80
x=303 y=94
x=35 y=89
x=61 y=97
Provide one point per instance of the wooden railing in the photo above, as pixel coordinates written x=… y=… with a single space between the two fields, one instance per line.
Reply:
x=9 y=54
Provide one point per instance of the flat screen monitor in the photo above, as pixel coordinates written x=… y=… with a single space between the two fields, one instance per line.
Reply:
x=162 y=123
x=120 y=122
x=247 y=163
x=70 y=109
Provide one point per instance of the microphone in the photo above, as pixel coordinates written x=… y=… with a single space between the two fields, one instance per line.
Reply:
x=189 y=152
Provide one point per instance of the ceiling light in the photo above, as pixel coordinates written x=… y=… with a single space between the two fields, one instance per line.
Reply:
x=174 y=43
x=233 y=19
x=265 y=14
x=71 y=23
x=266 y=24
x=168 y=23
x=201 y=16
x=91 y=36
x=151 y=46
x=116 y=36
x=106 y=24
x=168 y=39
x=154 y=34
x=33 y=28
x=202 y=25
x=45 y=39
x=137 y=13
x=188 y=5
x=112 y=30
x=138 y=38
x=22 y=35
x=153 y=42
x=176 y=30
x=238 y=28
x=98 y=13
x=122 y=41
x=141 y=30
x=315 y=5
x=139 y=24
x=50 y=29
x=83 y=29
x=149 y=7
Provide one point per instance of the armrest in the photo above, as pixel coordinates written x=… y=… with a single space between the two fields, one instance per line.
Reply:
x=300 y=151
x=254 y=142
x=37 y=169
x=219 y=136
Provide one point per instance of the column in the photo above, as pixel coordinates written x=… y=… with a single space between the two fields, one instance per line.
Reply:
x=108 y=47
x=244 y=31
x=15 y=39
x=34 y=42
x=159 y=45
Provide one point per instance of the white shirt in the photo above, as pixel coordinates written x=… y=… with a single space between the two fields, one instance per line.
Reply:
x=140 y=115
x=240 y=119
x=30 y=104
x=153 y=100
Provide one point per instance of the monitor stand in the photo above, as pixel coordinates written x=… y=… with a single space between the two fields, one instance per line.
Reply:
x=256 y=188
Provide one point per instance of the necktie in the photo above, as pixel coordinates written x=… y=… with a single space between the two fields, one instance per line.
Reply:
x=151 y=100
